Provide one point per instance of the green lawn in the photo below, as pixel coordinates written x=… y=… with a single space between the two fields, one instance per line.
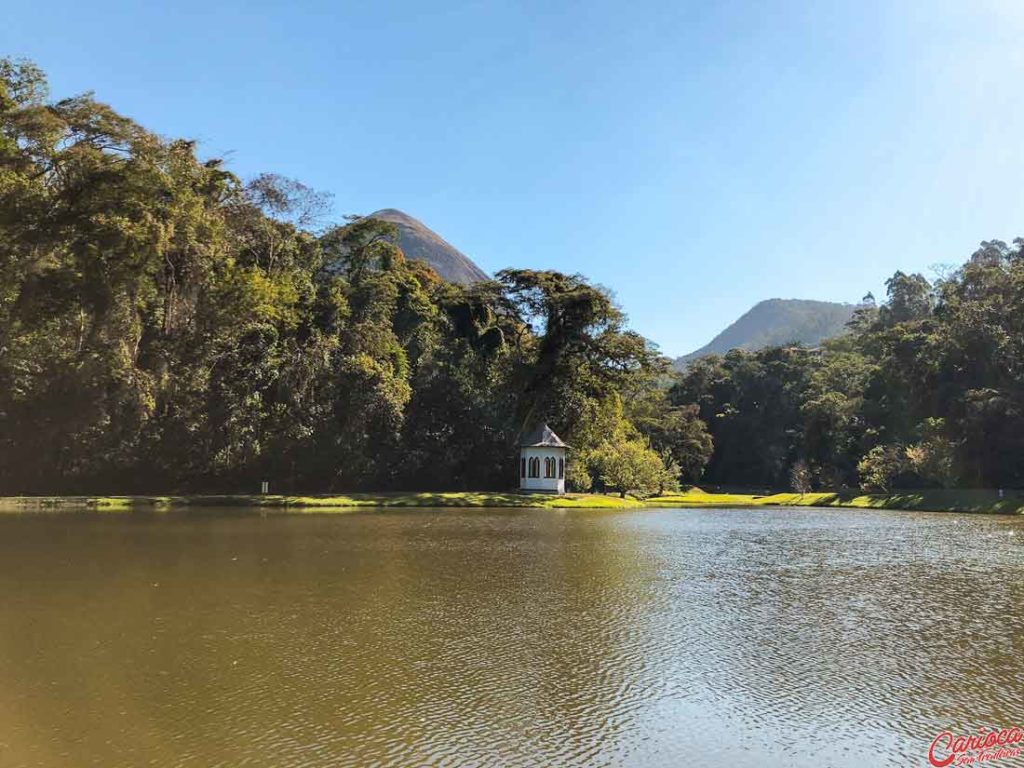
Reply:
x=982 y=501
x=321 y=503
x=930 y=500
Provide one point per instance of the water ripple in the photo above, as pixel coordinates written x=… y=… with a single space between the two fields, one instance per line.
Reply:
x=696 y=637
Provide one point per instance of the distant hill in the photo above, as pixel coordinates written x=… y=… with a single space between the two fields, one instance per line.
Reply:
x=779 y=321
x=418 y=241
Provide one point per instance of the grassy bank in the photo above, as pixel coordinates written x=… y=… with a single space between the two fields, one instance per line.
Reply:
x=323 y=503
x=985 y=502
x=982 y=502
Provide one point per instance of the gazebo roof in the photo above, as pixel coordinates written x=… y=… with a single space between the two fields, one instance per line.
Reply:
x=542 y=436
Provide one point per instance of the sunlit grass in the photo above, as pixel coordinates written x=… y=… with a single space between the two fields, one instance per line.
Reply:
x=450 y=499
x=321 y=503
x=980 y=501
x=931 y=500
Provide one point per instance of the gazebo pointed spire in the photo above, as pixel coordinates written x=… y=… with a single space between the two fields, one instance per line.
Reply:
x=541 y=436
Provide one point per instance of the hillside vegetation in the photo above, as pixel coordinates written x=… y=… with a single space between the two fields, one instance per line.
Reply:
x=925 y=391
x=166 y=326
x=777 y=322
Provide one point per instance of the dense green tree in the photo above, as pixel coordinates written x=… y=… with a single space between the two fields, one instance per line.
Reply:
x=751 y=404
x=926 y=390
x=576 y=361
x=165 y=326
x=676 y=432
x=630 y=465
x=910 y=298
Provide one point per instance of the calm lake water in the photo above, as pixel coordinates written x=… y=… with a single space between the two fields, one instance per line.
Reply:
x=653 y=638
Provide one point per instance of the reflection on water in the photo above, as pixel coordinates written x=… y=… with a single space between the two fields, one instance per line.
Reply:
x=671 y=637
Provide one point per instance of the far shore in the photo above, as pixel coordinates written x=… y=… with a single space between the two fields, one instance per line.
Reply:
x=971 y=501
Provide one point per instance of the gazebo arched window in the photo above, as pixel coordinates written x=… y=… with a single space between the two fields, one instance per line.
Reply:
x=536 y=444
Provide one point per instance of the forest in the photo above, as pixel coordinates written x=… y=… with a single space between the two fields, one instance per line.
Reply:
x=167 y=326
x=924 y=391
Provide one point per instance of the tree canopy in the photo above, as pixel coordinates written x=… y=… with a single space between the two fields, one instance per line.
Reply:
x=165 y=325
x=926 y=390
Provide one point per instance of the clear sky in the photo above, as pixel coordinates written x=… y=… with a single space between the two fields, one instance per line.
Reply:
x=695 y=157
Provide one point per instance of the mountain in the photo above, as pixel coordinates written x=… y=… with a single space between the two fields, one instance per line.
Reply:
x=418 y=241
x=779 y=321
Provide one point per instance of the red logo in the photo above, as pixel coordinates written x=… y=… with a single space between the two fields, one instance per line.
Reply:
x=983 y=747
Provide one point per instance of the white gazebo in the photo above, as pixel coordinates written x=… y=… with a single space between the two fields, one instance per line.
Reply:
x=542 y=461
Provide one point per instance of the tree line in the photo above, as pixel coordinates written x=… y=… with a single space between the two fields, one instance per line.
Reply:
x=167 y=326
x=926 y=390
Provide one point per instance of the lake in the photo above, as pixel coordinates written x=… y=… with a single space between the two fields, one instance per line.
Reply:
x=755 y=637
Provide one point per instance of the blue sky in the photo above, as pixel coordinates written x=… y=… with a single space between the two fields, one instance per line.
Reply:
x=693 y=157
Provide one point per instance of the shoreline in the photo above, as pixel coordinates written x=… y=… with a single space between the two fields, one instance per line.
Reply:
x=960 y=501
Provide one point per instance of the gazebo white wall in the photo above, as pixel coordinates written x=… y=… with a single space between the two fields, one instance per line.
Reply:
x=544 y=484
